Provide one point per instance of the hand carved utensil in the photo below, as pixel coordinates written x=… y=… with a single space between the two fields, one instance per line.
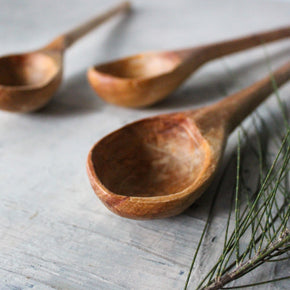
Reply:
x=28 y=81
x=144 y=79
x=157 y=167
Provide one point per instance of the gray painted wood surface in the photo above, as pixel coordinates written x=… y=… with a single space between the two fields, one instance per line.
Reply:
x=54 y=232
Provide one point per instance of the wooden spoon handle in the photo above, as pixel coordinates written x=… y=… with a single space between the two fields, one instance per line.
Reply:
x=219 y=49
x=234 y=109
x=66 y=40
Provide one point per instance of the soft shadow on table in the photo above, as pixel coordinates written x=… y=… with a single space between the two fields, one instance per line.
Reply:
x=117 y=39
x=75 y=95
x=196 y=94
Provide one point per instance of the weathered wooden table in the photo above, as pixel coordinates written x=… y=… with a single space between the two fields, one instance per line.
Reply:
x=54 y=232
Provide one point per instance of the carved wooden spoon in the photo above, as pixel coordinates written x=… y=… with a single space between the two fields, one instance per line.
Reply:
x=157 y=167
x=147 y=78
x=28 y=81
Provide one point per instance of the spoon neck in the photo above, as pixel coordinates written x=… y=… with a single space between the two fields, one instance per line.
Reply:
x=223 y=48
x=231 y=111
x=192 y=58
x=75 y=34
x=66 y=40
x=57 y=45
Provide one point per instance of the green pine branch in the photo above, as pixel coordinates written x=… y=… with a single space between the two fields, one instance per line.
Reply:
x=262 y=213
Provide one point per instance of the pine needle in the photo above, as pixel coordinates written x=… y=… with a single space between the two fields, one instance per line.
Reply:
x=265 y=214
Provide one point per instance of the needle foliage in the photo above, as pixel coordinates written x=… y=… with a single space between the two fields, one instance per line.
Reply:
x=256 y=226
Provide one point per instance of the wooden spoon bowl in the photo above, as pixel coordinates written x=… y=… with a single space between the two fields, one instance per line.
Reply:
x=162 y=151
x=28 y=81
x=147 y=78
x=159 y=166
x=138 y=81
x=27 y=70
x=147 y=169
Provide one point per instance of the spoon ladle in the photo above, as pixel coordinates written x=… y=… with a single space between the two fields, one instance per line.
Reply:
x=28 y=81
x=157 y=167
x=144 y=79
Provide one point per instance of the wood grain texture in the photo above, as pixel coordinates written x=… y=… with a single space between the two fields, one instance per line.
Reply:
x=54 y=232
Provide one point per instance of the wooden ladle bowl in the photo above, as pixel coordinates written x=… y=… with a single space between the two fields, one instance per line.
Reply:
x=144 y=79
x=139 y=80
x=28 y=81
x=149 y=168
x=31 y=69
x=162 y=151
x=159 y=166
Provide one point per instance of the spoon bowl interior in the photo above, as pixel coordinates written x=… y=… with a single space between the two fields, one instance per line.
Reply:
x=139 y=80
x=157 y=158
x=32 y=69
x=28 y=81
x=141 y=66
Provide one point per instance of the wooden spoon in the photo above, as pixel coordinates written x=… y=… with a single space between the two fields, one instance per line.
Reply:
x=147 y=78
x=28 y=81
x=157 y=167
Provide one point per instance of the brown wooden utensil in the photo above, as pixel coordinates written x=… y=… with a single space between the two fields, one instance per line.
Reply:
x=28 y=81
x=147 y=78
x=157 y=167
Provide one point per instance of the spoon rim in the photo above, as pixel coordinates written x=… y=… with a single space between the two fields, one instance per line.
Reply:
x=130 y=79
